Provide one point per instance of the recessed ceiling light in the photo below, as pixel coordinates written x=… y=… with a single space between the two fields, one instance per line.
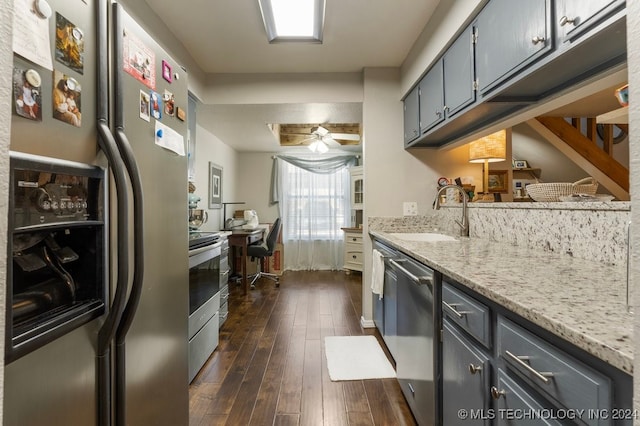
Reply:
x=293 y=20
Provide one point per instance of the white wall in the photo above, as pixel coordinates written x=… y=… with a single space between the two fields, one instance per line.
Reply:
x=6 y=63
x=283 y=88
x=254 y=185
x=211 y=149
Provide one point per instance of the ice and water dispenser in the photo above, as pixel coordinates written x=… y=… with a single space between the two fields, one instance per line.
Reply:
x=57 y=278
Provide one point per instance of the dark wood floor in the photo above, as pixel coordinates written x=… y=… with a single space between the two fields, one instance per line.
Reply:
x=270 y=368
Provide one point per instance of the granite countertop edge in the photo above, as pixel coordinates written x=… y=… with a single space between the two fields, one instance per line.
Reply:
x=579 y=309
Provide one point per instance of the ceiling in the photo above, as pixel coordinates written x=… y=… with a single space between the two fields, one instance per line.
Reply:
x=228 y=36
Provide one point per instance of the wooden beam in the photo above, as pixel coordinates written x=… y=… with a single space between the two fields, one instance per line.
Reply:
x=592 y=129
x=610 y=173
x=607 y=137
x=575 y=122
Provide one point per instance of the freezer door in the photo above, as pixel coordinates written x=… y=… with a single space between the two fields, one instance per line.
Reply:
x=157 y=343
x=56 y=384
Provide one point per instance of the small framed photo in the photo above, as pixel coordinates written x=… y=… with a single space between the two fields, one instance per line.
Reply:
x=167 y=71
x=215 y=186
x=520 y=164
x=498 y=181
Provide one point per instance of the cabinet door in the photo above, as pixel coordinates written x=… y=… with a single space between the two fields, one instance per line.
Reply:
x=576 y=16
x=459 y=75
x=512 y=398
x=431 y=98
x=465 y=379
x=511 y=35
x=411 y=116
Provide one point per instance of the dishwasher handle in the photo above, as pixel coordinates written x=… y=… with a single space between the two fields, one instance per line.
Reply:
x=428 y=280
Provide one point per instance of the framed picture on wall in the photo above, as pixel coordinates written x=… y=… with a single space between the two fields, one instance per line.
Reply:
x=498 y=181
x=215 y=186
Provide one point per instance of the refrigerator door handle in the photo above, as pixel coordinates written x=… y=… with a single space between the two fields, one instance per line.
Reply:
x=126 y=153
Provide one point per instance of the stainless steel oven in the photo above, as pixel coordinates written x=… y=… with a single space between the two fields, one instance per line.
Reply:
x=205 y=249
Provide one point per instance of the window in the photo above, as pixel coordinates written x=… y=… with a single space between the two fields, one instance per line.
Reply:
x=317 y=204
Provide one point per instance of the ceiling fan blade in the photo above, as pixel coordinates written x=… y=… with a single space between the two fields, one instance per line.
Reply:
x=331 y=142
x=319 y=131
x=346 y=136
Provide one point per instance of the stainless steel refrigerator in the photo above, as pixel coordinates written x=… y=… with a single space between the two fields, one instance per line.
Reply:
x=129 y=366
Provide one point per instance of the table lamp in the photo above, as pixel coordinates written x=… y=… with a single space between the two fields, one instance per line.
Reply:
x=489 y=149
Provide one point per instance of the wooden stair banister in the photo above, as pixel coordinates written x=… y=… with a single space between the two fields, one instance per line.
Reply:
x=609 y=172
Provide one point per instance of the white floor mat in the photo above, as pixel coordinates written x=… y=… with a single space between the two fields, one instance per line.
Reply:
x=356 y=358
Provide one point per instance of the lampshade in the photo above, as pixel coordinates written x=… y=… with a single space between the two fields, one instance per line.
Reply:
x=489 y=148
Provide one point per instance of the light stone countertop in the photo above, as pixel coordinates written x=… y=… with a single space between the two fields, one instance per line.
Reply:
x=581 y=301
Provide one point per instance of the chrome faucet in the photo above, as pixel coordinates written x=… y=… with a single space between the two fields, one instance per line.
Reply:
x=464 y=224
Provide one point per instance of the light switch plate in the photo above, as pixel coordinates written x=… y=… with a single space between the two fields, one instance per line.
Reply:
x=409 y=208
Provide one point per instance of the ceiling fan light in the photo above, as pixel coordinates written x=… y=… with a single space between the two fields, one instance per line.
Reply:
x=322 y=147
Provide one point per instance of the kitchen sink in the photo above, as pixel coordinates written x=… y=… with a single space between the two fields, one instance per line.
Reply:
x=423 y=236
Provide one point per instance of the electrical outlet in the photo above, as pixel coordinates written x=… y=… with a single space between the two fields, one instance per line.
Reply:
x=409 y=208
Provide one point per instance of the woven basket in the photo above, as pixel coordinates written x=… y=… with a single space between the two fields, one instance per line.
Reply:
x=553 y=191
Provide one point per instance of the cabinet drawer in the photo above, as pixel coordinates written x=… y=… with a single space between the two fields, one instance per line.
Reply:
x=353 y=257
x=467 y=312
x=350 y=238
x=514 y=399
x=224 y=294
x=552 y=371
x=350 y=247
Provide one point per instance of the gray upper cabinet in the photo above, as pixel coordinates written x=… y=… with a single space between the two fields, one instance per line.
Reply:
x=459 y=74
x=511 y=35
x=431 y=98
x=411 y=116
x=574 y=17
x=448 y=86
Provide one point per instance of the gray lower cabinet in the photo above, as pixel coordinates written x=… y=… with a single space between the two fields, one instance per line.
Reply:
x=513 y=401
x=466 y=379
x=511 y=35
x=575 y=17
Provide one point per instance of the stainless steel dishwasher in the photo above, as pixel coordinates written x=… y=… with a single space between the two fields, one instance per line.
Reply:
x=417 y=322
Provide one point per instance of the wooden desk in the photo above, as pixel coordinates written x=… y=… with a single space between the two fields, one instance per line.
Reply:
x=242 y=238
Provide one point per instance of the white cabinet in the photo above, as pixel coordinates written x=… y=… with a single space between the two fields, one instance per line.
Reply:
x=353 y=258
x=357 y=188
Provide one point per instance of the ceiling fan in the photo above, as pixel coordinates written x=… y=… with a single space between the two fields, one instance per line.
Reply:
x=319 y=138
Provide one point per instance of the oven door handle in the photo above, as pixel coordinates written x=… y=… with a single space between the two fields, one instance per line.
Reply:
x=203 y=249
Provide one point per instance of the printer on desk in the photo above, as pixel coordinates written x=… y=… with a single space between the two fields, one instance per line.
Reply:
x=251 y=219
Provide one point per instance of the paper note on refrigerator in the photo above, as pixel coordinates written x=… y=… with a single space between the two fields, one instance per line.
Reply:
x=169 y=139
x=31 y=34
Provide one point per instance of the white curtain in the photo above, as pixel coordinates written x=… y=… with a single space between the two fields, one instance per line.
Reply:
x=313 y=208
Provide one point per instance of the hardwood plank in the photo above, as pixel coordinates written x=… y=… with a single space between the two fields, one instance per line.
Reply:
x=381 y=410
x=360 y=419
x=287 y=420
x=398 y=403
x=311 y=406
x=333 y=403
x=355 y=396
x=291 y=390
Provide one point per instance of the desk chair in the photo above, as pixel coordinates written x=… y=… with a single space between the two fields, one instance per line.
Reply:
x=261 y=251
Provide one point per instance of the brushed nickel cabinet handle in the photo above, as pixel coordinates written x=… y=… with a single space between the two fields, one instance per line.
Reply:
x=542 y=376
x=496 y=394
x=565 y=20
x=538 y=39
x=474 y=369
x=452 y=308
